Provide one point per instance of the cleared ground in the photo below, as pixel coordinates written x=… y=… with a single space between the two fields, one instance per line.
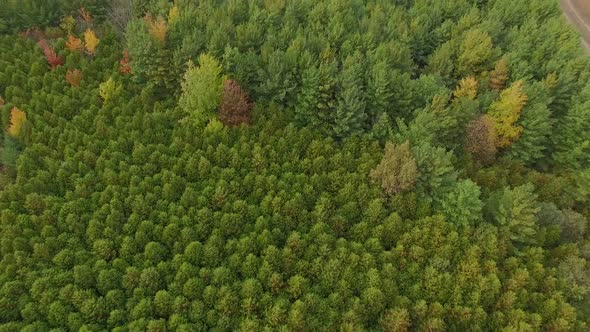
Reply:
x=578 y=12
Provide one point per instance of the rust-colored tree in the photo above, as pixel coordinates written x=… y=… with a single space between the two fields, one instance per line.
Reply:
x=74 y=43
x=17 y=119
x=74 y=77
x=124 y=63
x=235 y=107
x=481 y=140
x=53 y=59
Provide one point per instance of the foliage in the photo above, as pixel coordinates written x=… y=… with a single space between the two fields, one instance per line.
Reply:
x=158 y=29
x=117 y=215
x=467 y=88
x=202 y=89
x=91 y=41
x=350 y=113
x=499 y=75
x=109 y=89
x=124 y=66
x=68 y=23
x=52 y=58
x=397 y=172
x=505 y=113
x=74 y=77
x=481 y=139
x=17 y=119
x=150 y=61
x=474 y=52
x=514 y=210
x=463 y=205
x=235 y=107
x=74 y=43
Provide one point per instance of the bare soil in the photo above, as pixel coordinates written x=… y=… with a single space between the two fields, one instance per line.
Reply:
x=578 y=12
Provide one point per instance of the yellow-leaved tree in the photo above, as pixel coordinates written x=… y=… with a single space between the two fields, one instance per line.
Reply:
x=173 y=14
x=158 y=29
x=467 y=88
x=17 y=119
x=68 y=23
x=506 y=111
x=90 y=41
x=109 y=89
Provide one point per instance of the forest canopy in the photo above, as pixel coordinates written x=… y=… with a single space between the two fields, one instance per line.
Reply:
x=293 y=165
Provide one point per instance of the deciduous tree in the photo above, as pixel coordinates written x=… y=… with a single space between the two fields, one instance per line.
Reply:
x=91 y=41
x=17 y=119
x=467 y=88
x=505 y=113
x=74 y=77
x=499 y=75
x=202 y=88
x=397 y=172
x=74 y=43
x=124 y=65
x=481 y=140
x=235 y=107
x=157 y=28
x=109 y=89
x=52 y=58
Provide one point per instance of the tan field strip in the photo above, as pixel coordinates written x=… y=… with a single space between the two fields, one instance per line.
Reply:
x=578 y=12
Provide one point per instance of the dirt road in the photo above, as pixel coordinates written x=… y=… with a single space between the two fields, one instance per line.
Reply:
x=578 y=12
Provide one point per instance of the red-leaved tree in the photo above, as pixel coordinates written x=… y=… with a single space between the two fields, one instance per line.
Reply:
x=235 y=107
x=53 y=59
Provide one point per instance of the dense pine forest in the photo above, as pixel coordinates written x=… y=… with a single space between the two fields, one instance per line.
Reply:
x=293 y=165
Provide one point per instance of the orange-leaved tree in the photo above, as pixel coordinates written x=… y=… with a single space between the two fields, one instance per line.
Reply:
x=74 y=43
